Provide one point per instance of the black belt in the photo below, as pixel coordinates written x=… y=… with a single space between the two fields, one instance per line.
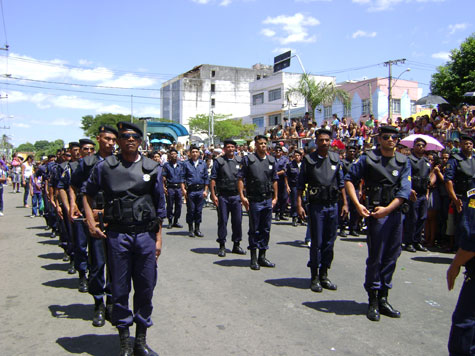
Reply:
x=173 y=185
x=228 y=193
x=259 y=198
x=195 y=187
x=133 y=229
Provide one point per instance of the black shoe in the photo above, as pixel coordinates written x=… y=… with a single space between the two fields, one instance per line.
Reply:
x=384 y=307
x=197 y=231
x=83 y=286
x=277 y=217
x=141 y=348
x=65 y=257
x=373 y=306
x=410 y=248
x=176 y=224
x=238 y=249
x=283 y=218
x=315 y=285
x=254 y=264
x=419 y=247
x=99 y=318
x=222 y=251
x=294 y=222
x=170 y=225
x=71 y=269
x=263 y=261
x=302 y=222
x=325 y=282
x=190 y=230
x=342 y=233
x=126 y=348
x=353 y=233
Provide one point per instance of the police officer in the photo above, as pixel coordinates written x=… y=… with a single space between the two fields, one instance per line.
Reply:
x=134 y=208
x=195 y=190
x=416 y=216
x=321 y=170
x=225 y=196
x=460 y=184
x=281 y=163
x=387 y=186
x=259 y=175
x=293 y=171
x=173 y=178
x=353 y=214
x=90 y=249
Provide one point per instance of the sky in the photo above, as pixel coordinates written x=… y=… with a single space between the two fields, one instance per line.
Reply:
x=68 y=59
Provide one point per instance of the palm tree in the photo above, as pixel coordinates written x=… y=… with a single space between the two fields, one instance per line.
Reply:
x=316 y=94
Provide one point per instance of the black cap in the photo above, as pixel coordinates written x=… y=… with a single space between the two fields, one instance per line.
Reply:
x=74 y=144
x=260 y=137
x=107 y=128
x=278 y=147
x=124 y=126
x=388 y=129
x=467 y=137
x=172 y=150
x=323 y=131
x=85 y=141
x=420 y=139
x=194 y=147
x=229 y=142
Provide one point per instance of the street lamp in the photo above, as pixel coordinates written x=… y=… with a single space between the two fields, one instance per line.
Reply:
x=390 y=87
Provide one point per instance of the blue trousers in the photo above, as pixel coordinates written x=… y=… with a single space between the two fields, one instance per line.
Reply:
x=1 y=197
x=35 y=203
x=282 y=198
x=323 y=223
x=98 y=286
x=194 y=207
x=415 y=220
x=80 y=246
x=384 y=248
x=174 y=202
x=132 y=258
x=66 y=234
x=26 y=192
x=293 y=201
x=229 y=204
x=260 y=220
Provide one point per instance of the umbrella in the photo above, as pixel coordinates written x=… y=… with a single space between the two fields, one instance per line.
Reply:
x=469 y=93
x=155 y=140
x=432 y=143
x=422 y=113
x=431 y=100
x=166 y=141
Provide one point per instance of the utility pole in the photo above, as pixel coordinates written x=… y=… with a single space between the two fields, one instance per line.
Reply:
x=131 y=108
x=390 y=97
x=370 y=99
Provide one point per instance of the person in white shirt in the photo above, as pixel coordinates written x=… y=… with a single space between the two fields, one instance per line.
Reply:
x=26 y=172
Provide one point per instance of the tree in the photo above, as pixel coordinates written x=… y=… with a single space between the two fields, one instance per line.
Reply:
x=41 y=148
x=224 y=127
x=26 y=147
x=457 y=76
x=316 y=94
x=90 y=124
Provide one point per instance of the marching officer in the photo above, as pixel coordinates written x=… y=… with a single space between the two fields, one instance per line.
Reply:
x=259 y=175
x=353 y=214
x=281 y=163
x=460 y=184
x=293 y=171
x=416 y=216
x=195 y=190
x=322 y=171
x=173 y=178
x=225 y=195
x=134 y=207
x=387 y=176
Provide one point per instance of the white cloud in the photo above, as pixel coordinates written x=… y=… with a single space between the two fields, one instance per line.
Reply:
x=294 y=28
x=457 y=27
x=361 y=33
x=202 y=2
x=21 y=125
x=268 y=32
x=84 y=62
x=15 y=96
x=73 y=102
x=383 y=5
x=225 y=3
x=441 y=55
x=129 y=81
x=283 y=50
x=91 y=75
x=309 y=1
x=63 y=122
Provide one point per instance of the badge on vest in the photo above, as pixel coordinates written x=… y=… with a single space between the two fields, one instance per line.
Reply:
x=146 y=177
x=471 y=193
x=270 y=166
x=395 y=173
x=333 y=167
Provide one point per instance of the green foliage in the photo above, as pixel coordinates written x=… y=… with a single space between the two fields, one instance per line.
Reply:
x=457 y=76
x=224 y=127
x=41 y=148
x=26 y=147
x=90 y=124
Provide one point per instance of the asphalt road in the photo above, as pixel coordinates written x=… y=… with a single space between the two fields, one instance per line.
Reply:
x=206 y=305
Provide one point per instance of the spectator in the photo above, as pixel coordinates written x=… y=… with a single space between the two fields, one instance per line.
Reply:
x=16 y=172
x=35 y=182
x=3 y=180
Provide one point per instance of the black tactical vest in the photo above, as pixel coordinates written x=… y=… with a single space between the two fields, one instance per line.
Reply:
x=259 y=177
x=89 y=162
x=322 y=178
x=465 y=175
x=345 y=165
x=226 y=181
x=128 y=189
x=420 y=170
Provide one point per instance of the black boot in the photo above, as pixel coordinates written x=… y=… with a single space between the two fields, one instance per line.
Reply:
x=99 y=318
x=294 y=221
x=222 y=250
x=254 y=264
x=282 y=217
x=83 y=286
x=238 y=249
x=65 y=257
x=373 y=306
x=384 y=307
x=125 y=343
x=324 y=281
x=170 y=225
x=190 y=230
x=277 y=217
x=197 y=230
x=71 y=269
x=176 y=224
x=342 y=232
x=263 y=261
x=141 y=348
x=315 y=285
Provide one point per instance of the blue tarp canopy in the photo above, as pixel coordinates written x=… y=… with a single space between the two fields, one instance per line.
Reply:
x=163 y=129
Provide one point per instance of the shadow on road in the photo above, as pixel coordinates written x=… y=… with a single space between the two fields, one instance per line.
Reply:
x=353 y=239
x=177 y=233
x=433 y=259
x=72 y=311
x=70 y=283
x=56 y=267
x=44 y=234
x=232 y=263
x=49 y=242
x=52 y=255
x=96 y=345
x=338 y=307
x=36 y=227
x=296 y=243
x=207 y=250
x=300 y=283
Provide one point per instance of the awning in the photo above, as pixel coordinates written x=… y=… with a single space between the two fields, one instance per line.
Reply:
x=173 y=129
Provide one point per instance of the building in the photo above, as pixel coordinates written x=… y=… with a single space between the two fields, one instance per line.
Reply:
x=206 y=88
x=268 y=103
x=370 y=96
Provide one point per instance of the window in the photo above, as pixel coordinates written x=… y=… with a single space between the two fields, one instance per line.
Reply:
x=259 y=122
x=258 y=99
x=213 y=88
x=347 y=110
x=212 y=102
x=274 y=120
x=413 y=107
x=397 y=106
x=327 y=112
x=365 y=107
x=258 y=77
x=213 y=73
x=275 y=94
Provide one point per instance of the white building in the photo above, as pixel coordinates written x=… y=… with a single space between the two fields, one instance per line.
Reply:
x=206 y=88
x=268 y=103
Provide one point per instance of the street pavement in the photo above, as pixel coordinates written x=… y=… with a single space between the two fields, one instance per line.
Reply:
x=206 y=305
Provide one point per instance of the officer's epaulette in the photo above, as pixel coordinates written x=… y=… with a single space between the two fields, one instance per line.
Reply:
x=112 y=161
x=91 y=160
x=149 y=164
x=271 y=159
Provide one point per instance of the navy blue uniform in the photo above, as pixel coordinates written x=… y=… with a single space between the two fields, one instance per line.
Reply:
x=282 y=196
x=293 y=171
x=195 y=178
x=174 y=177
x=62 y=181
x=384 y=234
x=461 y=170
x=353 y=213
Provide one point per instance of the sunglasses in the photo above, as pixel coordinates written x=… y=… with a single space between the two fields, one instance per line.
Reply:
x=88 y=149
x=420 y=145
x=126 y=136
x=387 y=137
x=67 y=154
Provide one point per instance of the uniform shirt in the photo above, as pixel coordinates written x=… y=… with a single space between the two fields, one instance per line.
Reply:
x=303 y=177
x=243 y=173
x=195 y=172
x=173 y=172
x=293 y=172
x=452 y=166
x=281 y=165
x=65 y=178
x=80 y=175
